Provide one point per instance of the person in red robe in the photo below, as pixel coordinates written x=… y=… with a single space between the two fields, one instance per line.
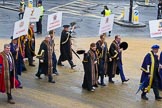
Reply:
x=7 y=73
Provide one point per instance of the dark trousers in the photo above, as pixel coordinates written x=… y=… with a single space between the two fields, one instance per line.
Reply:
x=50 y=78
x=9 y=96
x=120 y=69
x=70 y=61
x=23 y=66
x=154 y=87
x=39 y=25
x=21 y=15
x=30 y=57
x=159 y=15
x=39 y=69
x=54 y=62
x=109 y=33
x=101 y=71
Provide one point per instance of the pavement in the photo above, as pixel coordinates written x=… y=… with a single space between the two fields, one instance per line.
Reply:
x=142 y=3
x=67 y=92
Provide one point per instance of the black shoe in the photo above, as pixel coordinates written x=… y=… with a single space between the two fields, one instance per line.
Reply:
x=95 y=85
x=125 y=80
x=36 y=32
x=99 y=83
x=60 y=64
x=39 y=32
x=32 y=65
x=111 y=81
x=84 y=87
x=91 y=90
x=11 y=101
x=144 y=97
x=103 y=84
x=51 y=81
x=20 y=87
x=56 y=73
x=158 y=98
x=72 y=66
x=24 y=69
x=38 y=76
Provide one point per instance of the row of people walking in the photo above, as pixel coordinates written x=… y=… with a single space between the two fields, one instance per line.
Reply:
x=100 y=61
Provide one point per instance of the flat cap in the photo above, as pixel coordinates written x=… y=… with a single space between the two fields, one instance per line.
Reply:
x=155 y=47
x=66 y=26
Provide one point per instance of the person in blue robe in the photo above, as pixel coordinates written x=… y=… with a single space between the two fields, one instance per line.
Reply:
x=160 y=71
x=150 y=73
x=17 y=58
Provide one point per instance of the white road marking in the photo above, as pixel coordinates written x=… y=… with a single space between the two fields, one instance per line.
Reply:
x=79 y=8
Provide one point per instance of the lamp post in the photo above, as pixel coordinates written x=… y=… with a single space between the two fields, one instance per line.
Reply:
x=3 y=2
x=130 y=10
x=36 y=3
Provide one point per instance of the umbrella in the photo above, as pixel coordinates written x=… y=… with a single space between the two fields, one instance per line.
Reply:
x=75 y=53
x=143 y=84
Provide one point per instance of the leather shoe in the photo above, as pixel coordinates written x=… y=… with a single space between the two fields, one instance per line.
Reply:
x=32 y=65
x=38 y=76
x=60 y=64
x=125 y=80
x=111 y=81
x=11 y=101
x=158 y=98
x=144 y=97
x=95 y=85
x=92 y=90
x=20 y=87
x=56 y=73
x=72 y=66
x=51 y=81
x=103 y=84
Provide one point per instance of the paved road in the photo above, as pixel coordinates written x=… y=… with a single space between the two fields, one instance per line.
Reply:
x=87 y=15
x=67 y=91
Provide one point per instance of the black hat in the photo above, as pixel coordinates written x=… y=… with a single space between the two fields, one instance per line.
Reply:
x=66 y=26
x=40 y=1
x=12 y=38
x=80 y=51
x=124 y=45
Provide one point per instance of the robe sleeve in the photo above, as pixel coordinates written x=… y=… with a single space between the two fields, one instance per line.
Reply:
x=14 y=52
x=160 y=58
x=2 y=81
x=146 y=63
x=112 y=51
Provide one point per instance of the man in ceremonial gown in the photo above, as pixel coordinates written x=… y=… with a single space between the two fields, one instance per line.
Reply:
x=65 y=47
x=30 y=45
x=18 y=59
x=45 y=63
x=102 y=52
x=7 y=73
x=52 y=43
x=149 y=69
x=116 y=66
x=160 y=71
x=90 y=80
